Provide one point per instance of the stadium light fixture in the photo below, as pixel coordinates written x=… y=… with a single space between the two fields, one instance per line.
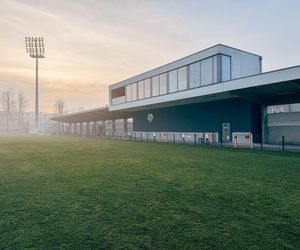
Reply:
x=36 y=49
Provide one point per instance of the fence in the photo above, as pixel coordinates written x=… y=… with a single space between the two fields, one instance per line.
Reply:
x=203 y=138
x=176 y=137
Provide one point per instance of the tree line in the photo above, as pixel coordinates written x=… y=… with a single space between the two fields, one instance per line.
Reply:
x=14 y=106
x=12 y=103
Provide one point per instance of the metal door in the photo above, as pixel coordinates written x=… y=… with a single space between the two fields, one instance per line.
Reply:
x=226 y=132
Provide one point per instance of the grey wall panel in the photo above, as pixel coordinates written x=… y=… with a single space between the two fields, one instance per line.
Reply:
x=284 y=124
x=291 y=134
x=242 y=115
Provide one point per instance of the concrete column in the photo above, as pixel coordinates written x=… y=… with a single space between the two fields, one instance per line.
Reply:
x=75 y=129
x=264 y=124
x=87 y=129
x=113 y=125
x=94 y=129
x=99 y=129
x=66 y=128
x=103 y=129
x=70 y=129
x=80 y=129
x=126 y=127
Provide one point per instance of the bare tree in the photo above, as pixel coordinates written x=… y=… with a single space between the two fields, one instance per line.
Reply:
x=22 y=102
x=60 y=106
x=8 y=104
x=22 y=105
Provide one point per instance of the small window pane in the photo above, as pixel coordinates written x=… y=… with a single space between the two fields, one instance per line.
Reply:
x=173 y=81
x=226 y=68
x=295 y=107
x=215 y=62
x=134 y=91
x=155 y=86
x=128 y=93
x=195 y=75
x=147 y=88
x=141 y=90
x=163 y=84
x=207 y=71
x=182 y=78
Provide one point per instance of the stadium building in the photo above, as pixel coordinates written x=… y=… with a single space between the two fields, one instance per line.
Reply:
x=210 y=94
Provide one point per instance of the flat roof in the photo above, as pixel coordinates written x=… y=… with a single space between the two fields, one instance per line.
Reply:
x=97 y=114
x=200 y=55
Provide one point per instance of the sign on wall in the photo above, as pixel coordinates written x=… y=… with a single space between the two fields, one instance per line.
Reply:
x=242 y=140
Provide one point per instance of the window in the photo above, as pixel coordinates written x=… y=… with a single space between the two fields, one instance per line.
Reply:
x=215 y=64
x=141 y=90
x=128 y=93
x=195 y=75
x=182 y=78
x=155 y=86
x=173 y=81
x=133 y=91
x=226 y=68
x=118 y=95
x=295 y=107
x=207 y=71
x=163 y=84
x=147 y=83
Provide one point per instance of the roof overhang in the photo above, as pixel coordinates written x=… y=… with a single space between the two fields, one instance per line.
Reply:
x=270 y=88
x=98 y=114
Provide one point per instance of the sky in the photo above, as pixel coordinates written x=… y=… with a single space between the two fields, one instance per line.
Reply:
x=91 y=44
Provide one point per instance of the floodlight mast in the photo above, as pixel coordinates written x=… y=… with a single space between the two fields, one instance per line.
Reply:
x=36 y=49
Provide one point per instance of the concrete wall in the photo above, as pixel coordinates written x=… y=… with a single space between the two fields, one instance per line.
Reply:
x=287 y=124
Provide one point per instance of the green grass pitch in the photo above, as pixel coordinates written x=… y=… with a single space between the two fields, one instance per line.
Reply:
x=72 y=193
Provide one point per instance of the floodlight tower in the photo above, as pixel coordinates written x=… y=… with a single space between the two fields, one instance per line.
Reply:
x=36 y=49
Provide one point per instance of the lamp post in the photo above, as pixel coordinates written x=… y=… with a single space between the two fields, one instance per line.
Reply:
x=35 y=48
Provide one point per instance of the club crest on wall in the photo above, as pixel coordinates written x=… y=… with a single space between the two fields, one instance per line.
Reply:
x=150 y=117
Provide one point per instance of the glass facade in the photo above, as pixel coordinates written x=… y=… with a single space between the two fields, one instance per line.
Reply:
x=141 y=90
x=207 y=71
x=202 y=73
x=155 y=86
x=173 y=81
x=195 y=75
x=182 y=78
x=226 y=68
x=163 y=84
x=147 y=84
x=128 y=93
x=133 y=91
x=295 y=107
x=284 y=108
x=215 y=69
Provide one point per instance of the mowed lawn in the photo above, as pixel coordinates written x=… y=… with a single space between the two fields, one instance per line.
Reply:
x=71 y=193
